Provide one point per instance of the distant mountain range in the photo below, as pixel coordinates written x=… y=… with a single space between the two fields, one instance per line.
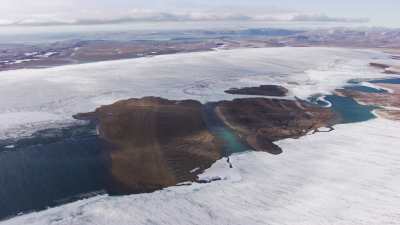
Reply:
x=92 y=47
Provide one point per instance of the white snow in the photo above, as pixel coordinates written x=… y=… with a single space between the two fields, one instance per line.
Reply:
x=67 y=90
x=323 y=99
x=19 y=124
x=30 y=53
x=47 y=54
x=194 y=170
x=348 y=176
x=324 y=129
x=377 y=87
x=19 y=61
x=19 y=118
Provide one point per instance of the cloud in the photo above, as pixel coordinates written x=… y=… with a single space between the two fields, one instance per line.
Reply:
x=325 y=18
x=143 y=15
x=5 y=22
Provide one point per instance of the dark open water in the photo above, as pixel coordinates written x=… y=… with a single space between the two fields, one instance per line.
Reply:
x=387 y=81
x=57 y=166
x=50 y=168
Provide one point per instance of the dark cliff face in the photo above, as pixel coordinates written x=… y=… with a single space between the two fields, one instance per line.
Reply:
x=157 y=142
x=262 y=121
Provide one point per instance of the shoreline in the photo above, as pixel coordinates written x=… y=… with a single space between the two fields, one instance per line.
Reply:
x=387 y=100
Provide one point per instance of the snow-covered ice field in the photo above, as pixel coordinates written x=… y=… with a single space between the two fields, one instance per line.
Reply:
x=32 y=99
x=348 y=176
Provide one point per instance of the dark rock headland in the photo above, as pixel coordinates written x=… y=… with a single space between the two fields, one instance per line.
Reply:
x=262 y=121
x=388 y=69
x=158 y=142
x=262 y=90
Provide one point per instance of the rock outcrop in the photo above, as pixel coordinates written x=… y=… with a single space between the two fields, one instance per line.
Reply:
x=263 y=90
x=261 y=121
x=157 y=142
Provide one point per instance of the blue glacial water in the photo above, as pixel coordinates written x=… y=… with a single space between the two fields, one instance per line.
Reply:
x=50 y=168
x=231 y=142
x=349 y=110
x=387 y=81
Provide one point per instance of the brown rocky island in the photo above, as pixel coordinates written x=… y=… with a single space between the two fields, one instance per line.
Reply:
x=158 y=143
x=262 y=90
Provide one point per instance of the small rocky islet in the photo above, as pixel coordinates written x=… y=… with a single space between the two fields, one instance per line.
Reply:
x=262 y=121
x=262 y=90
x=157 y=143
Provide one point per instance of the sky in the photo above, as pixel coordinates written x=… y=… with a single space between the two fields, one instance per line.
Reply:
x=51 y=12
